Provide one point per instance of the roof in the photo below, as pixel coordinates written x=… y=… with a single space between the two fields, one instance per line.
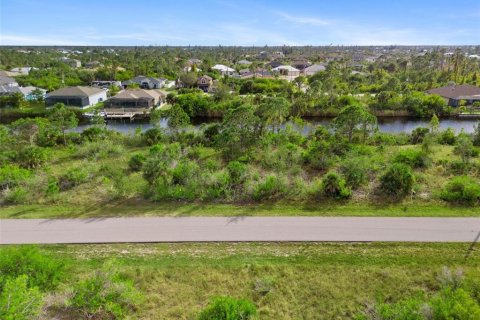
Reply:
x=244 y=62
x=6 y=80
x=285 y=67
x=456 y=91
x=9 y=89
x=222 y=68
x=205 y=77
x=75 y=91
x=315 y=68
x=138 y=94
x=28 y=90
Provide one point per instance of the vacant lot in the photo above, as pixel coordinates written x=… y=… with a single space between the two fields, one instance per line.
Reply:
x=285 y=281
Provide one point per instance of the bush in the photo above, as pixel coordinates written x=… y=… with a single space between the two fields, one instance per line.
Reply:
x=455 y=304
x=355 y=171
x=73 y=178
x=271 y=188
x=447 y=137
x=98 y=150
x=12 y=175
x=154 y=136
x=104 y=296
x=32 y=157
x=237 y=172
x=418 y=134
x=18 y=301
x=16 y=195
x=413 y=158
x=136 y=162
x=463 y=189
x=228 y=308
x=94 y=134
x=43 y=271
x=334 y=187
x=397 y=180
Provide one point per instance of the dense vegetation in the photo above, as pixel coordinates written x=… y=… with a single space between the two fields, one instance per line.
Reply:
x=252 y=156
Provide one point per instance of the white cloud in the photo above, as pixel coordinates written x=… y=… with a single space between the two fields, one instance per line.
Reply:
x=313 y=21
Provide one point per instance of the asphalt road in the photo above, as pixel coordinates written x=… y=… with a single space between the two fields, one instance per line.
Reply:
x=204 y=229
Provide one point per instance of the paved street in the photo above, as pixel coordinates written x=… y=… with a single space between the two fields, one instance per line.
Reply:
x=186 y=229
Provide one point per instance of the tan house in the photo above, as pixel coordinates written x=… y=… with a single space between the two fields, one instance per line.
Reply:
x=205 y=83
x=135 y=100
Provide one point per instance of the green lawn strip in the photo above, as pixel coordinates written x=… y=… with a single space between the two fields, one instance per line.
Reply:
x=144 y=208
x=309 y=280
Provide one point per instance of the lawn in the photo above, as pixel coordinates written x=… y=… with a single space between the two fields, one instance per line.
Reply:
x=284 y=280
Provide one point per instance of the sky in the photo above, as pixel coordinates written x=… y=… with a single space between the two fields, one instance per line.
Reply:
x=240 y=23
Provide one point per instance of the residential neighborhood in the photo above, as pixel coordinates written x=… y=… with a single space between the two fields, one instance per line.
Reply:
x=240 y=160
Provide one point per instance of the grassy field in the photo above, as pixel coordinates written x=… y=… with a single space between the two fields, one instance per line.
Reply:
x=285 y=281
x=139 y=207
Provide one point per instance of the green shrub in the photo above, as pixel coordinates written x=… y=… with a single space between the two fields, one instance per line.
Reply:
x=461 y=189
x=228 y=308
x=32 y=157
x=16 y=195
x=408 y=309
x=99 y=150
x=355 y=171
x=12 y=175
x=93 y=134
x=271 y=188
x=447 y=137
x=136 y=162
x=105 y=295
x=333 y=186
x=43 y=271
x=154 y=136
x=398 y=180
x=418 y=134
x=413 y=158
x=18 y=301
x=455 y=304
x=73 y=177
x=237 y=172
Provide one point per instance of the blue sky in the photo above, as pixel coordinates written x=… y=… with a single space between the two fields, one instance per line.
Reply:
x=247 y=22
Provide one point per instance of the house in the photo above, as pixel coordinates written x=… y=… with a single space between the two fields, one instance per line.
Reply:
x=205 y=83
x=244 y=62
x=313 y=69
x=275 y=64
x=223 y=69
x=74 y=63
x=145 y=82
x=135 y=100
x=80 y=97
x=93 y=64
x=286 y=72
x=8 y=90
x=301 y=64
x=453 y=94
x=22 y=71
x=105 y=84
x=7 y=81
x=28 y=92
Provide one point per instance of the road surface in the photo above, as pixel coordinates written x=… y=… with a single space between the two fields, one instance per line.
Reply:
x=189 y=229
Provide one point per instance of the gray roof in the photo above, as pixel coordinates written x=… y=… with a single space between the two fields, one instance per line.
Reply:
x=9 y=90
x=462 y=91
x=75 y=91
x=6 y=80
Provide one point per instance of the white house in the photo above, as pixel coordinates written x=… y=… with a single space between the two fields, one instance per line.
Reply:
x=286 y=72
x=80 y=97
x=224 y=70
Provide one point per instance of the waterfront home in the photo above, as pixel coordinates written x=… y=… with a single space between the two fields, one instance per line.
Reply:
x=135 y=100
x=80 y=97
x=453 y=94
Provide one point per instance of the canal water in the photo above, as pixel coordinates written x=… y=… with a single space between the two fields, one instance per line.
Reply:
x=390 y=125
